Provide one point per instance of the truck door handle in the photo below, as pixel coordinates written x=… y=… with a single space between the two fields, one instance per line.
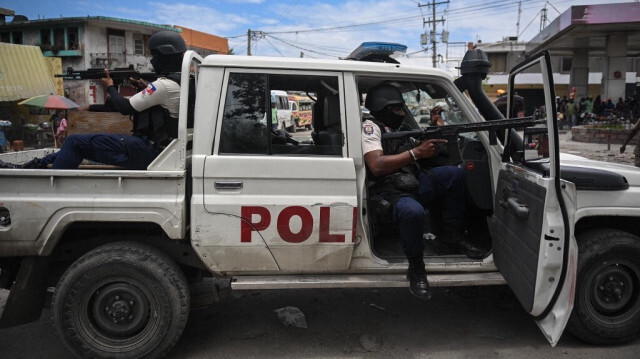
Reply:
x=227 y=184
x=521 y=210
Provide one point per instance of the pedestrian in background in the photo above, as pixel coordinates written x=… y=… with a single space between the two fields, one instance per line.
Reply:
x=597 y=106
x=636 y=151
x=570 y=111
x=61 y=131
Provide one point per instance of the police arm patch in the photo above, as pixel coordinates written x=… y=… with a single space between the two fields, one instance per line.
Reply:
x=368 y=129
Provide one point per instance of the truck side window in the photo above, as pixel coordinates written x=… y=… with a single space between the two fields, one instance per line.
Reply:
x=259 y=118
x=244 y=123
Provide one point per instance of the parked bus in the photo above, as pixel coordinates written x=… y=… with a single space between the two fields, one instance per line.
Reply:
x=301 y=111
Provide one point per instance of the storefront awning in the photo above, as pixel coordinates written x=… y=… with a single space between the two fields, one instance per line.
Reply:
x=23 y=73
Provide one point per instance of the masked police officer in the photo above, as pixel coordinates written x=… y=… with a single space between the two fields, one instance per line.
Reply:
x=155 y=116
x=396 y=179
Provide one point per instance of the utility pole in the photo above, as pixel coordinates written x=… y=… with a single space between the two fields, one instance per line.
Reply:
x=433 y=22
x=518 y=23
x=543 y=17
x=249 y=42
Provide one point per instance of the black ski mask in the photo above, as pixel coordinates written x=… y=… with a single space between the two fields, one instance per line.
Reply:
x=166 y=64
x=390 y=118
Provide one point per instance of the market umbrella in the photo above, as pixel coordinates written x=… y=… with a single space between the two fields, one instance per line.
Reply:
x=50 y=101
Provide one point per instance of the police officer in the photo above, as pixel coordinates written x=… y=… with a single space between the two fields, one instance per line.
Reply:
x=155 y=111
x=397 y=180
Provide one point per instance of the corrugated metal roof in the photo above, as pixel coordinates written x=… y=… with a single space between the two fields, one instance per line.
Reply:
x=23 y=73
x=79 y=20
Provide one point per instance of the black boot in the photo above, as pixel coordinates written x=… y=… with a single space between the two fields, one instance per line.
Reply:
x=417 y=276
x=455 y=241
x=34 y=163
x=8 y=165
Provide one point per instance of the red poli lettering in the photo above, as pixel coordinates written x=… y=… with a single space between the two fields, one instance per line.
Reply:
x=247 y=225
x=284 y=224
x=325 y=221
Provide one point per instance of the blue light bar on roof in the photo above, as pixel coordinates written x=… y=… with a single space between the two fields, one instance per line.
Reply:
x=377 y=52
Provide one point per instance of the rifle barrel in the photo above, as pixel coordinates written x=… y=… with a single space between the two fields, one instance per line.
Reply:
x=98 y=73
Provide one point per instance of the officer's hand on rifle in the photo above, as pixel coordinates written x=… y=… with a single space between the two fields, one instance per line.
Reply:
x=428 y=148
x=436 y=116
x=106 y=80
x=140 y=84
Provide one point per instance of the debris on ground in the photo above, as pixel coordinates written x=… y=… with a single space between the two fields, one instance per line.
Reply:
x=292 y=316
x=371 y=343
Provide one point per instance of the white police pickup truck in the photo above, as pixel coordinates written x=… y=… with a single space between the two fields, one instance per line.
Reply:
x=119 y=250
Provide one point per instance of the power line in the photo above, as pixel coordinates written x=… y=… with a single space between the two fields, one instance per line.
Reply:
x=470 y=11
x=275 y=48
x=474 y=10
x=300 y=47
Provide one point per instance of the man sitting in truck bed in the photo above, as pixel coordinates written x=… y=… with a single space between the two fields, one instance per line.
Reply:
x=155 y=112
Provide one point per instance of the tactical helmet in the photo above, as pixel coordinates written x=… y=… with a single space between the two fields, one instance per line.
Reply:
x=167 y=43
x=381 y=96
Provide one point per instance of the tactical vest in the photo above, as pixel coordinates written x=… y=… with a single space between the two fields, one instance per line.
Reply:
x=392 y=187
x=155 y=123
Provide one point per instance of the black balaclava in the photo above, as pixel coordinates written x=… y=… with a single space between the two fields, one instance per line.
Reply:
x=166 y=64
x=390 y=118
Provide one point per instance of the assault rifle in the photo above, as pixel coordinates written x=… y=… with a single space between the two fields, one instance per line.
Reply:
x=119 y=74
x=394 y=142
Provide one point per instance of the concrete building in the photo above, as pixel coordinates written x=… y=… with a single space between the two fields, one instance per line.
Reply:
x=594 y=48
x=97 y=42
x=609 y=32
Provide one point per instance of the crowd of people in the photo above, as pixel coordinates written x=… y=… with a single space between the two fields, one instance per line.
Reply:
x=588 y=110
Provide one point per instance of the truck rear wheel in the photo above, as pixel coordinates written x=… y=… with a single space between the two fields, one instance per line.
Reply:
x=607 y=301
x=121 y=300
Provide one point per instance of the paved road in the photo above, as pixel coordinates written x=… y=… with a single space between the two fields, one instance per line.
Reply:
x=476 y=322
x=596 y=151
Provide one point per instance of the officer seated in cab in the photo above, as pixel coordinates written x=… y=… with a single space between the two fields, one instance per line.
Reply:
x=397 y=179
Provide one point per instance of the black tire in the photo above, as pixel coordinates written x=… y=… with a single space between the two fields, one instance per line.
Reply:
x=121 y=300
x=607 y=301
x=294 y=126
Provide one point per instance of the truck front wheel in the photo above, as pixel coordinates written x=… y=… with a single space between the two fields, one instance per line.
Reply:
x=607 y=301
x=124 y=300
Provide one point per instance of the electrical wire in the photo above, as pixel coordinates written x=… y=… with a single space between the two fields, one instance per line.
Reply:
x=275 y=48
x=529 y=24
x=300 y=47
x=469 y=11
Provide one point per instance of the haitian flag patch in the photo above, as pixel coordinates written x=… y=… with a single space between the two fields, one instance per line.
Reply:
x=150 y=89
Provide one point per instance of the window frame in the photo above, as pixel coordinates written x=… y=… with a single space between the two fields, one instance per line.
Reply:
x=276 y=72
x=138 y=38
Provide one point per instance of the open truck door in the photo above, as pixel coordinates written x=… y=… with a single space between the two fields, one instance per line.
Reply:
x=532 y=224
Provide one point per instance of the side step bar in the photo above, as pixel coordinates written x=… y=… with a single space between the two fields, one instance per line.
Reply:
x=361 y=281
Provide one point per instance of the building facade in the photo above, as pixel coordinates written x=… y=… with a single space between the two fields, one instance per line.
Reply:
x=98 y=42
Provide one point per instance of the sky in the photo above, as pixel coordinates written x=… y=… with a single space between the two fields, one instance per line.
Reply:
x=325 y=28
